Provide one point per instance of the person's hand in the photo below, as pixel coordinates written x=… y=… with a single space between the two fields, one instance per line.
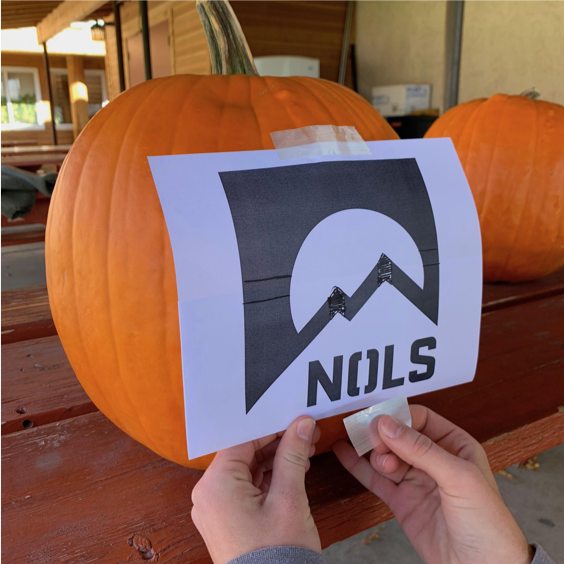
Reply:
x=253 y=495
x=437 y=481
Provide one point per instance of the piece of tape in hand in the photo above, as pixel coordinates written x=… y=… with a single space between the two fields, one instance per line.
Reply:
x=318 y=140
x=358 y=425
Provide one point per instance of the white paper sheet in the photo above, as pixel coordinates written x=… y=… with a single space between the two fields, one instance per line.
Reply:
x=281 y=237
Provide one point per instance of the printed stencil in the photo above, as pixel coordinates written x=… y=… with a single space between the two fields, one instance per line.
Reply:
x=275 y=209
x=318 y=285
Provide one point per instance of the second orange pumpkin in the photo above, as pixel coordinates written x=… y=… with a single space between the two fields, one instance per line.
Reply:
x=512 y=150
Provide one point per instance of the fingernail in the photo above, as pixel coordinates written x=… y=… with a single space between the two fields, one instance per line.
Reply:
x=305 y=429
x=381 y=459
x=391 y=427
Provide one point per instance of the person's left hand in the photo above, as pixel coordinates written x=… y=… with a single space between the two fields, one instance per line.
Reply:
x=253 y=495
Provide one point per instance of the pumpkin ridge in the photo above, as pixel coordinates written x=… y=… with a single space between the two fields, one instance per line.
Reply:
x=340 y=95
x=525 y=206
x=467 y=129
x=263 y=83
x=559 y=234
x=223 y=115
x=157 y=89
x=274 y=99
x=336 y=93
x=303 y=86
x=74 y=222
x=110 y=245
x=473 y=119
x=187 y=99
x=261 y=129
x=487 y=195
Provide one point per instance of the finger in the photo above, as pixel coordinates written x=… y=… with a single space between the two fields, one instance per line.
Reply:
x=451 y=438
x=420 y=451
x=244 y=453
x=264 y=466
x=263 y=454
x=266 y=481
x=269 y=450
x=389 y=465
x=316 y=435
x=442 y=431
x=382 y=448
x=292 y=457
x=360 y=468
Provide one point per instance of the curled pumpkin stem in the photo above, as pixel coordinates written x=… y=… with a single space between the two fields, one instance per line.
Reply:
x=229 y=50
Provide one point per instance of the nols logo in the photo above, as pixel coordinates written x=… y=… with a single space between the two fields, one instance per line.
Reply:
x=274 y=210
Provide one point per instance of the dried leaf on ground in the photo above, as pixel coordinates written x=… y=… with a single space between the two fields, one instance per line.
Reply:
x=530 y=464
x=372 y=537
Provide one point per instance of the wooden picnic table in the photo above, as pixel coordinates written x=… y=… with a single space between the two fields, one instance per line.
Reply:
x=34 y=157
x=34 y=161
x=35 y=150
x=77 y=489
x=19 y=143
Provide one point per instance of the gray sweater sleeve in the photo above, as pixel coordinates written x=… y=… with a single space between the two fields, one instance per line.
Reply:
x=295 y=555
x=284 y=555
x=541 y=557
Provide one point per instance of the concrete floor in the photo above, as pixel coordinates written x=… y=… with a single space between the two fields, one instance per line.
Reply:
x=536 y=498
x=23 y=265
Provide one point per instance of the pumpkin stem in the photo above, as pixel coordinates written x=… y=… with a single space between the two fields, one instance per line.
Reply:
x=531 y=93
x=229 y=50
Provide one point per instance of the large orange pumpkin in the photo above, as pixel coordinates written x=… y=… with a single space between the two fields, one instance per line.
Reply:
x=110 y=270
x=512 y=150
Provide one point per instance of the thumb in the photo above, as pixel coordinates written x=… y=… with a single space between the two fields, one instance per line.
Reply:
x=292 y=455
x=420 y=451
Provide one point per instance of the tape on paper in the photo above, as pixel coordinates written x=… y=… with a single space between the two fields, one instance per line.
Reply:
x=318 y=140
x=358 y=425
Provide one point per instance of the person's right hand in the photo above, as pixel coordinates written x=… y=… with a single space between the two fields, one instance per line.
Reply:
x=437 y=481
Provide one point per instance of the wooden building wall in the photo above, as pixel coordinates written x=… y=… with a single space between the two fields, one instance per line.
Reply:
x=308 y=29
x=35 y=60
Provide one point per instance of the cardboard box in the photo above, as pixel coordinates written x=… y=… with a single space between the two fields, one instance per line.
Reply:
x=401 y=99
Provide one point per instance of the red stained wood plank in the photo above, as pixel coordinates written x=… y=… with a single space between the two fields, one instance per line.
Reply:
x=520 y=375
x=499 y=296
x=26 y=314
x=82 y=491
x=39 y=386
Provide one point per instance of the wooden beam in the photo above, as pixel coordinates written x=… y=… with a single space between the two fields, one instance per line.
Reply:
x=63 y=15
x=78 y=93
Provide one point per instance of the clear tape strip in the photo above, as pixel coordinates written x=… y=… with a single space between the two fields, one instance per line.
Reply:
x=318 y=140
x=358 y=424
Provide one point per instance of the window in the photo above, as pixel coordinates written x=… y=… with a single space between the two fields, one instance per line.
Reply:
x=96 y=85
x=21 y=98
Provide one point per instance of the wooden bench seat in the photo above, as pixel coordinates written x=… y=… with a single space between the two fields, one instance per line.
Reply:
x=26 y=314
x=39 y=386
x=80 y=490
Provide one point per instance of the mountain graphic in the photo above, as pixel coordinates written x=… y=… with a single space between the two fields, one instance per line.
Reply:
x=273 y=212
